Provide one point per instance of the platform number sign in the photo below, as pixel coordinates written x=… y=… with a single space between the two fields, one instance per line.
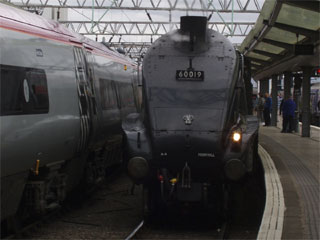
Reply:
x=189 y=75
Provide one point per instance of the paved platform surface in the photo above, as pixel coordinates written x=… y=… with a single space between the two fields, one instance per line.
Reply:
x=314 y=131
x=297 y=162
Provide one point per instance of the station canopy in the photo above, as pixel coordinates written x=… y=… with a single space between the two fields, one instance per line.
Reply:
x=285 y=38
x=134 y=24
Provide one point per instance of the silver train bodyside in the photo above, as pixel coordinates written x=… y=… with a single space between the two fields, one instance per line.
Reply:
x=63 y=98
x=193 y=136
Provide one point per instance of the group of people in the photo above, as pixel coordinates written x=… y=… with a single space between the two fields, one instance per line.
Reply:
x=287 y=109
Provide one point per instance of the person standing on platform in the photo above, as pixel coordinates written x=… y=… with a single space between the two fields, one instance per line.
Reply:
x=279 y=100
x=267 y=110
x=260 y=107
x=281 y=106
x=288 y=108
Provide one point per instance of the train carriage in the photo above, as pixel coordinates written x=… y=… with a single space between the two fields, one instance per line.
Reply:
x=63 y=98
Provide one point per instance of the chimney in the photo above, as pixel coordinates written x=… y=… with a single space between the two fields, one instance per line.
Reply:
x=196 y=26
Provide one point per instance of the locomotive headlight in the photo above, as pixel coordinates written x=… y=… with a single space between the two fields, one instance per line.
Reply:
x=236 y=140
x=236 y=136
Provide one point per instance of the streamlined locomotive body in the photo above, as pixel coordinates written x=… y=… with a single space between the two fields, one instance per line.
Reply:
x=63 y=97
x=193 y=135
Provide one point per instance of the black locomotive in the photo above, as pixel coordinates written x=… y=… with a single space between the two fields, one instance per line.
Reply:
x=193 y=136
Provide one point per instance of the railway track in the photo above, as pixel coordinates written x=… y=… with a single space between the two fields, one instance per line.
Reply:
x=114 y=212
x=21 y=232
x=135 y=231
x=144 y=231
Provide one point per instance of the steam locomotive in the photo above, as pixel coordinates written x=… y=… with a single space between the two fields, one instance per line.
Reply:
x=63 y=98
x=193 y=137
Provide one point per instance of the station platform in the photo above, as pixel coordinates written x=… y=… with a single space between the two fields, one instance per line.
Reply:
x=296 y=160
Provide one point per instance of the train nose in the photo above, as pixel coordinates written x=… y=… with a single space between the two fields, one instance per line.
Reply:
x=234 y=169
x=138 y=169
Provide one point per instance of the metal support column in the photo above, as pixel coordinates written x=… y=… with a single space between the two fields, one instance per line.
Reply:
x=264 y=86
x=287 y=84
x=274 y=111
x=296 y=97
x=306 y=119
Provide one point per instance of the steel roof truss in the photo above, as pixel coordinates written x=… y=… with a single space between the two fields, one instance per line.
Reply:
x=246 y=5
x=186 y=3
x=164 y=28
x=125 y=29
x=174 y=4
x=144 y=29
x=257 y=4
x=228 y=5
x=153 y=29
x=99 y=29
x=222 y=5
x=97 y=26
x=104 y=28
x=79 y=27
x=240 y=4
x=85 y=28
x=137 y=5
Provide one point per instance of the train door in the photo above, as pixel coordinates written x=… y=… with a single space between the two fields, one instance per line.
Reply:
x=117 y=89
x=92 y=97
x=84 y=93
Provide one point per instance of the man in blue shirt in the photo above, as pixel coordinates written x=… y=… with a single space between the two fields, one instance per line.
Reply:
x=288 y=108
x=267 y=109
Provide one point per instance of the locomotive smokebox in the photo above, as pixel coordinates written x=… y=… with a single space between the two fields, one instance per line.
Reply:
x=196 y=26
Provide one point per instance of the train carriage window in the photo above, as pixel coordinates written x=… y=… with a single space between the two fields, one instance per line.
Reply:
x=108 y=94
x=38 y=89
x=126 y=94
x=23 y=91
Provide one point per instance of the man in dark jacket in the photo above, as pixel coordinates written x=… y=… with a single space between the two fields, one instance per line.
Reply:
x=260 y=107
x=267 y=109
x=288 y=108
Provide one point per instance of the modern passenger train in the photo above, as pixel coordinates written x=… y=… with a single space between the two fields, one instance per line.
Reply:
x=63 y=98
x=315 y=104
x=193 y=137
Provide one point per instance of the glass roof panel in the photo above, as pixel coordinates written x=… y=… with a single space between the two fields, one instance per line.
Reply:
x=266 y=12
x=258 y=56
x=269 y=48
x=299 y=17
x=283 y=36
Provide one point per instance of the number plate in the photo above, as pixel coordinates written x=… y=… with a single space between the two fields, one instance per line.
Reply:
x=189 y=75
